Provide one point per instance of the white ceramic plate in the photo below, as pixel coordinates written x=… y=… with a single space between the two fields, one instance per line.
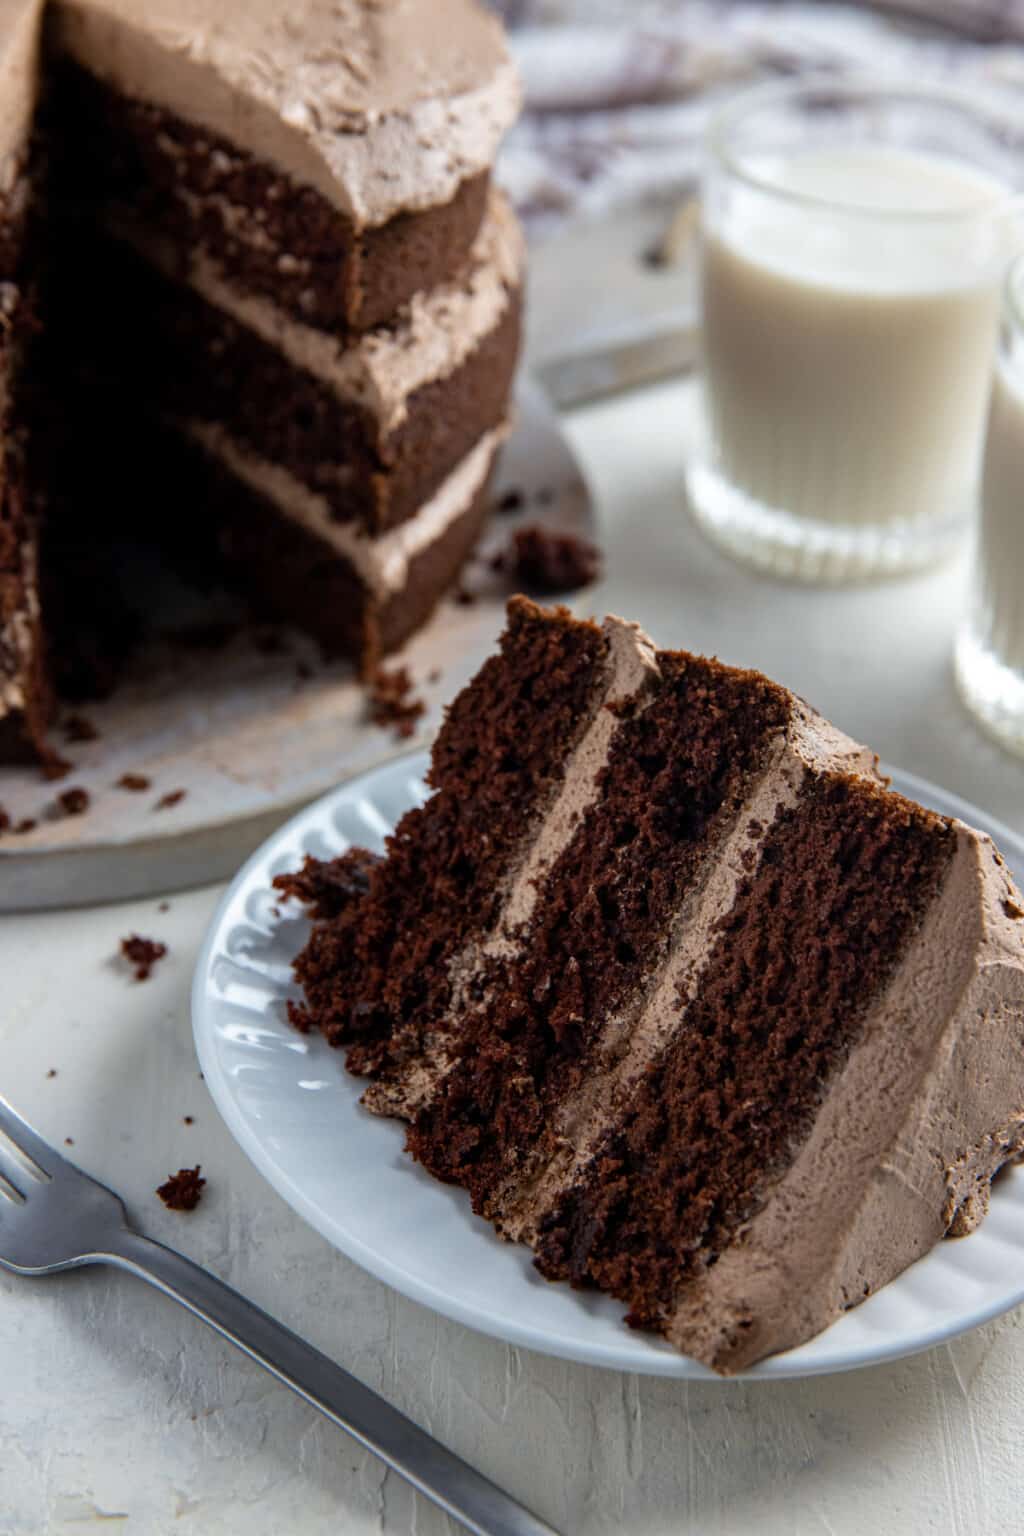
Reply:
x=245 y=736
x=294 y=1110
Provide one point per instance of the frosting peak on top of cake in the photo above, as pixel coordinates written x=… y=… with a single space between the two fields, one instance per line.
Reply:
x=381 y=105
x=19 y=40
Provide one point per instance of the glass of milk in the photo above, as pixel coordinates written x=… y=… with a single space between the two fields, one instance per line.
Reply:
x=854 y=241
x=990 y=647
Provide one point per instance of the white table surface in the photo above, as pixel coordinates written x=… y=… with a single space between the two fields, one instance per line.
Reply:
x=119 y=1412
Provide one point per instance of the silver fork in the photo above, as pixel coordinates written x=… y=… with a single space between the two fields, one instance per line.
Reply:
x=53 y=1217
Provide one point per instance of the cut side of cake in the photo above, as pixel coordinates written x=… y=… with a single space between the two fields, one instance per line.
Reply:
x=26 y=698
x=265 y=245
x=678 y=989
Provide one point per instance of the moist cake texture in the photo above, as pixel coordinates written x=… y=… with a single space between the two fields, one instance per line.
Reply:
x=302 y=314
x=25 y=694
x=678 y=989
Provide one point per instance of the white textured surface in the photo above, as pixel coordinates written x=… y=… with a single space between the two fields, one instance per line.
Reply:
x=113 y=1404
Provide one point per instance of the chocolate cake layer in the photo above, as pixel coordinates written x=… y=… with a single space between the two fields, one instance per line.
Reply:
x=497 y=766
x=601 y=921
x=271 y=235
x=356 y=595
x=844 y=878
x=714 y=978
x=374 y=427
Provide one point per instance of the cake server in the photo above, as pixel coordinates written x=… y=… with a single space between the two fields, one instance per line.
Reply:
x=55 y=1217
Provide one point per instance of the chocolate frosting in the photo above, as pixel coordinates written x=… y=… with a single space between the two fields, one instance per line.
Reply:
x=904 y=1149
x=19 y=49
x=381 y=105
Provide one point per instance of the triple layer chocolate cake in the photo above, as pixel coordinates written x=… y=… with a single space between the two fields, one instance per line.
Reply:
x=263 y=244
x=687 y=998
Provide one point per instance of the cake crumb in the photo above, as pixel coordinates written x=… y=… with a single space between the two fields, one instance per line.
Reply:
x=330 y=886
x=69 y=1141
x=26 y=824
x=1012 y=909
x=464 y=597
x=183 y=1190
x=164 y=906
x=80 y=728
x=135 y=782
x=52 y=1072
x=142 y=954
x=512 y=501
x=434 y=675
x=72 y=802
x=188 y=1119
x=392 y=702
x=55 y=766
x=545 y=561
x=172 y=797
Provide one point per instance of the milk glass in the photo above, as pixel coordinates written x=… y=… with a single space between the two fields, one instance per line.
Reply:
x=990 y=648
x=854 y=241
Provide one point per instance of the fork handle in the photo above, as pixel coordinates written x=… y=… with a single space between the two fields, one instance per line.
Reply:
x=437 y=1473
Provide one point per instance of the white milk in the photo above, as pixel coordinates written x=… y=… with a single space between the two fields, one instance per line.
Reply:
x=848 y=356
x=1001 y=551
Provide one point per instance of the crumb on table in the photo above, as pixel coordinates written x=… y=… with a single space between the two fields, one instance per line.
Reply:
x=80 y=728
x=142 y=954
x=544 y=561
x=135 y=782
x=172 y=797
x=183 y=1190
x=72 y=802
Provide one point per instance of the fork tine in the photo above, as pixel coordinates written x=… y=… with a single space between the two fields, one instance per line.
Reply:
x=9 y=1191
x=29 y=1141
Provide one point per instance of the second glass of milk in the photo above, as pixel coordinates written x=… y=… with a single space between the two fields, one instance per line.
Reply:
x=854 y=242
x=990 y=648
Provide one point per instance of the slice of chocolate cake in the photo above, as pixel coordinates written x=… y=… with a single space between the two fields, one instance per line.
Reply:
x=667 y=977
